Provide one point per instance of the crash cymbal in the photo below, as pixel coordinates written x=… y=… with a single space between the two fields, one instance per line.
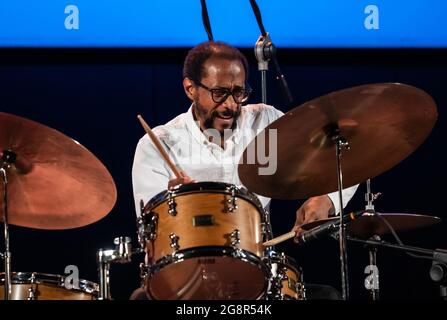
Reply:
x=56 y=183
x=370 y=224
x=383 y=124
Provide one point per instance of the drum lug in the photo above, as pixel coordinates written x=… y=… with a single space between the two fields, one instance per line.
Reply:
x=282 y=258
x=32 y=288
x=235 y=238
x=171 y=203
x=144 y=271
x=31 y=293
x=147 y=226
x=276 y=287
x=141 y=207
x=174 y=241
x=232 y=206
x=264 y=231
x=152 y=224
x=301 y=291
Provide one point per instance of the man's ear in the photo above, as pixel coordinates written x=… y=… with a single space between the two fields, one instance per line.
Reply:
x=190 y=88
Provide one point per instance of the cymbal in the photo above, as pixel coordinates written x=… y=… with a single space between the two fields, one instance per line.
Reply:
x=368 y=224
x=383 y=124
x=56 y=183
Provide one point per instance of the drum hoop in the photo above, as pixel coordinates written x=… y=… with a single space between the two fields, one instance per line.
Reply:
x=288 y=297
x=50 y=279
x=202 y=187
x=208 y=251
x=289 y=262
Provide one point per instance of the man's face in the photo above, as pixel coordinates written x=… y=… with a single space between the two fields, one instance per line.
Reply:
x=219 y=74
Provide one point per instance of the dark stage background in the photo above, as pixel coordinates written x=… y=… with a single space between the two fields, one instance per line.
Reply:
x=93 y=96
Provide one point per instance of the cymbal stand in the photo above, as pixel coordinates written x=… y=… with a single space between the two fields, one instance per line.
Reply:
x=372 y=282
x=369 y=197
x=264 y=51
x=121 y=254
x=373 y=287
x=8 y=158
x=341 y=143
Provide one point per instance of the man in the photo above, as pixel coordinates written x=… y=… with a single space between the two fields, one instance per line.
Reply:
x=208 y=140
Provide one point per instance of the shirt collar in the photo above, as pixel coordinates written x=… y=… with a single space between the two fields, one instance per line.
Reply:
x=193 y=127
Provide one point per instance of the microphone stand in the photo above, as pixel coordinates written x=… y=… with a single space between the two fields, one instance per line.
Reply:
x=438 y=272
x=264 y=51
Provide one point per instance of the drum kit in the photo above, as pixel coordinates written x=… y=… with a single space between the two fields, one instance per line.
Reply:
x=207 y=240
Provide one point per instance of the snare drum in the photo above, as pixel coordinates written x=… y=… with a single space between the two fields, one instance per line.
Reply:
x=286 y=278
x=204 y=241
x=41 y=286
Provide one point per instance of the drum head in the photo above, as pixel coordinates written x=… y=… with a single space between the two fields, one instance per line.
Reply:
x=208 y=278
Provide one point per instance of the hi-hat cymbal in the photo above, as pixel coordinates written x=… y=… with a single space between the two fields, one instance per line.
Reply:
x=383 y=124
x=370 y=224
x=56 y=183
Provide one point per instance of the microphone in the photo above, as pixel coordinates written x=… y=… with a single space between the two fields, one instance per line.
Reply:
x=326 y=228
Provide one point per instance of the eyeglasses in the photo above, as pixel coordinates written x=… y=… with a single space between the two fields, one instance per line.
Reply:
x=219 y=95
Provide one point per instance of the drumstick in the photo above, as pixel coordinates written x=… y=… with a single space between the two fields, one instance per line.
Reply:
x=279 y=239
x=160 y=147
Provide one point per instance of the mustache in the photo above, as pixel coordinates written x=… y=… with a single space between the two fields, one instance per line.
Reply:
x=227 y=113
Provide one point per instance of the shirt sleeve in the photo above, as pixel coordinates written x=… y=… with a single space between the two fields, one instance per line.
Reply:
x=273 y=114
x=150 y=175
x=347 y=194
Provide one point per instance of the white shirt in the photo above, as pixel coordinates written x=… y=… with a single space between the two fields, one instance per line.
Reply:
x=200 y=159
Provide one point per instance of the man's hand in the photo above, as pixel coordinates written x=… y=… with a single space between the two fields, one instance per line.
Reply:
x=183 y=180
x=315 y=208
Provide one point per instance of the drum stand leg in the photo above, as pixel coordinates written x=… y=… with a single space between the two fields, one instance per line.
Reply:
x=104 y=274
x=8 y=158
x=121 y=254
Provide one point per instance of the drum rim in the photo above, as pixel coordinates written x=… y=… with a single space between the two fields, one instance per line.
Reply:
x=20 y=277
x=213 y=251
x=289 y=262
x=204 y=186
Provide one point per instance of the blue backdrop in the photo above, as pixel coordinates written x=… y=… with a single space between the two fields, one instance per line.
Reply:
x=178 y=23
